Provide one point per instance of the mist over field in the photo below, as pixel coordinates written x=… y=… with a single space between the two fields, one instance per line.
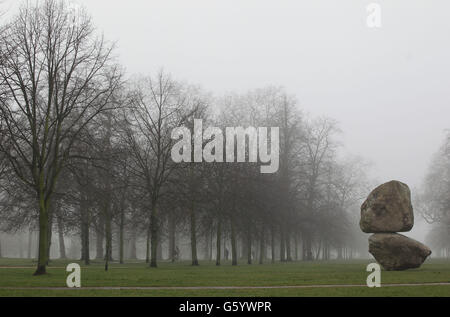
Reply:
x=86 y=156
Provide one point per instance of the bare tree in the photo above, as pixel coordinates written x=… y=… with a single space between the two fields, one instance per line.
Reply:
x=55 y=76
x=434 y=199
x=318 y=149
x=158 y=105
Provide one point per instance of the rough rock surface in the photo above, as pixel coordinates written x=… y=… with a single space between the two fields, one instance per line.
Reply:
x=397 y=252
x=387 y=209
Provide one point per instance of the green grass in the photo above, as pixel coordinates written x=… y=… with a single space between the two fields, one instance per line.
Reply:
x=207 y=274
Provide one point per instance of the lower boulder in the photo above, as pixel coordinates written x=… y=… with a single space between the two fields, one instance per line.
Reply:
x=397 y=252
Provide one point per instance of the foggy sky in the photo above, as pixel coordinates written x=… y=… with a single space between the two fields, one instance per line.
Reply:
x=388 y=88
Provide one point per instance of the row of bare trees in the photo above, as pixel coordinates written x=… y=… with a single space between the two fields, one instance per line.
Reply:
x=84 y=152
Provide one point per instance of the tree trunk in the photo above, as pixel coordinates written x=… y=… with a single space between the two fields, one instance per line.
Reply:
x=147 y=252
x=233 y=244
x=99 y=237
x=159 y=248
x=224 y=248
x=133 y=251
x=318 y=249
x=37 y=246
x=288 y=245
x=153 y=236
x=249 y=245
x=307 y=251
x=87 y=256
x=207 y=243
x=84 y=212
x=339 y=253
x=261 y=246
x=172 y=227
x=62 y=247
x=83 y=240
x=108 y=234
x=50 y=231
x=328 y=251
x=193 y=235
x=218 y=242
x=43 y=237
x=325 y=250
x=282 y=246
x=272 y=244
x=82 y=236
x=121 y=235
x=211 y=242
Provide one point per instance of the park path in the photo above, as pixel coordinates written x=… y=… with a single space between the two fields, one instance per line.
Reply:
x=55 y=267
x=216 y=287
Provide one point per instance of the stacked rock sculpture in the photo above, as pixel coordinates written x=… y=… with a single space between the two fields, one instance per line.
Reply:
x=386 y=211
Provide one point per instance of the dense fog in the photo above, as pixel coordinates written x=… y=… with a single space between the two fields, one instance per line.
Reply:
x=91 y=93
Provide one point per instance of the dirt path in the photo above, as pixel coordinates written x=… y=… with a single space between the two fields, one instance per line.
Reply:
x=56 y=267
x=214 y=287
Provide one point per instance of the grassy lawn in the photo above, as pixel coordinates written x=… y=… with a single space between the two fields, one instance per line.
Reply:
x=207 y=274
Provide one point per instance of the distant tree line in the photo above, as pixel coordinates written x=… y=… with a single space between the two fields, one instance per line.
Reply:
x=434 y=199
x=85 y=152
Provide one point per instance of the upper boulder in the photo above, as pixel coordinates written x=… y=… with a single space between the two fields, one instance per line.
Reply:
x=387 y=209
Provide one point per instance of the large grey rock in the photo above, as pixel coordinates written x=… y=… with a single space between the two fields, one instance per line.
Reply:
x=387 y=209
x=397 y=252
